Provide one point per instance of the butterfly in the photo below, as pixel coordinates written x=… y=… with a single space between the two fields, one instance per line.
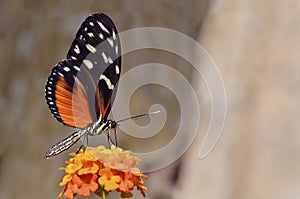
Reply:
x=79 y=90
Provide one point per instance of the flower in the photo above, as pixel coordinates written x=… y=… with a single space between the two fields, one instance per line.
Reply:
x=108 y=179
x=101 y=170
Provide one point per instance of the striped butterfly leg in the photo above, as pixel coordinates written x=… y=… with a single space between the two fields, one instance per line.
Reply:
x=65 y=143
x=112 y=141
x=84 y=143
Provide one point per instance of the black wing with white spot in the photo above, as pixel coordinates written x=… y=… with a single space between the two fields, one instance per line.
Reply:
x=79 y=89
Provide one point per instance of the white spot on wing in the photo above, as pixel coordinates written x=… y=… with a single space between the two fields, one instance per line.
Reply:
x=114 y=35
x=101 y=35
x=91 y=23
x=117 y=69
x=107 y=81
x=91 y=48
x=90 y=34
x=76 y=49
x=104 y=57
x=67 y=69
x=109 y=60
x=74 y=58
x=76 y=68
x=111 y=43
x=116 y=49
x=88 y=64
x=102 y=27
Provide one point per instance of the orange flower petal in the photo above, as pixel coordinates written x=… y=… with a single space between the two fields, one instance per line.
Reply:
x=126 y=185
x=105 y=172
x=86 y=189
x=69 y=194
x=71 y=190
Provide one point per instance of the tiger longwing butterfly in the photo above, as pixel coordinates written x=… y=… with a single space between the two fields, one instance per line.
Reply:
x=79 y=89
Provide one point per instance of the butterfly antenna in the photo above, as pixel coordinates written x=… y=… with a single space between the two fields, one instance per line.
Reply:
x=138 y=116
x=115 y=142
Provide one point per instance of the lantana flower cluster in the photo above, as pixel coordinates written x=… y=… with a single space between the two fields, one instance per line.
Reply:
x=101 y=171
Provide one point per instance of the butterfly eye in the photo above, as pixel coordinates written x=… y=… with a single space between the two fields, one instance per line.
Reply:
x=113 y=124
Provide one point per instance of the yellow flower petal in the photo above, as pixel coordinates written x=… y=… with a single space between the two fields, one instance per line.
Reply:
x=109 y=183
x=72 y=168
x=92 y=169
x=65 y=179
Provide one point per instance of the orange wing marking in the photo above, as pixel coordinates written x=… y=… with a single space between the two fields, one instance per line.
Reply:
x=72 y=106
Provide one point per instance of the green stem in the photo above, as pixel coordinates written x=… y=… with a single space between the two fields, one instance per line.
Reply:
x=103 y=193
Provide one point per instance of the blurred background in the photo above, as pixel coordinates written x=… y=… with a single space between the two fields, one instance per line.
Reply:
x=255 y=45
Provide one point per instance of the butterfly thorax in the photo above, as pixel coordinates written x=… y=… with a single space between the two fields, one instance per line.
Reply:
x=100 y=126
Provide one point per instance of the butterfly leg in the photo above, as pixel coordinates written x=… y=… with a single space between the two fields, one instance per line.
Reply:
x=109 y=139
x=115 y=134
x=84 y=143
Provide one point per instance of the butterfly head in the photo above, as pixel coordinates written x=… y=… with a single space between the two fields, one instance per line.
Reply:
x=112 y=124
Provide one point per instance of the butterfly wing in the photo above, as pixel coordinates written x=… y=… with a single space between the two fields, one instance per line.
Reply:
x=79 y=89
